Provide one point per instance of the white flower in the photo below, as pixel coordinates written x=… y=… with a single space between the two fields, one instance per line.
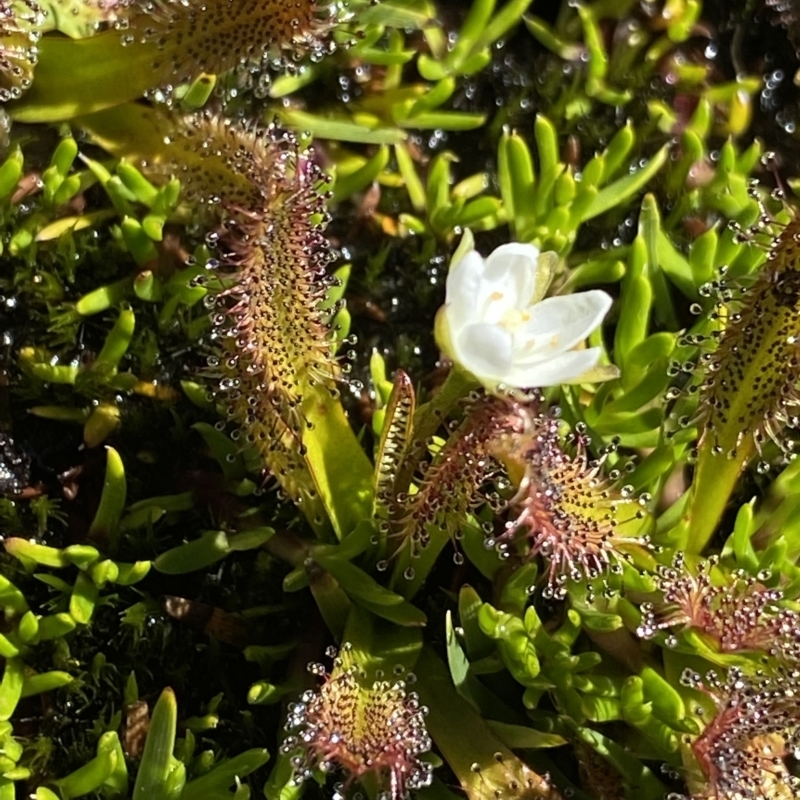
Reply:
x=496 y=324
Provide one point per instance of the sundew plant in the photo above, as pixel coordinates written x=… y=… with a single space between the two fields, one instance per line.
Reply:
x=399 y=399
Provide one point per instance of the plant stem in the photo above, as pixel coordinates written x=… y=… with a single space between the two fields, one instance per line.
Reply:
x=340 y=468
x=714 y=482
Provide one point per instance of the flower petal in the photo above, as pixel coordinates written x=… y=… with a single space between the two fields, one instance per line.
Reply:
x=484 y=350
x=557 y=324
x=564 y=368
x=514 y=267
x=464 y=289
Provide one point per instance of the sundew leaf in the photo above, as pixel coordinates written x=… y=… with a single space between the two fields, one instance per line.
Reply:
x=276 y=263
x=19 y=33
x=164 y=44
x=747 y=390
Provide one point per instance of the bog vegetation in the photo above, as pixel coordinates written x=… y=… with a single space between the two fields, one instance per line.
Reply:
x=399 y=399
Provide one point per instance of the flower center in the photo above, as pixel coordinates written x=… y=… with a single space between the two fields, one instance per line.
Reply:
x=514 y=318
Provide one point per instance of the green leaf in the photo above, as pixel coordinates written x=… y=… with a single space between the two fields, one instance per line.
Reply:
x=346 y=186
x=517 y=179
x=112 y=501
x=666 y=701
x=84 y=599
x=224 y=776
x=55 y=626
x=341 y=129
x=37 y=553
x=210 y=547
x=340 y=468
x=642 y=783
x=615 y=194
x=90 y=777
x=740 y=543
x=10 y=173
x=45 y=682
x=549 y=163
x=516 y=649
x=11 y=687
x=369 y=594
x=508 y=16
x=223 y=450
x=518 y=737
x=11 y=598
x=156 y=766
x=477 y=643
x=636 y=301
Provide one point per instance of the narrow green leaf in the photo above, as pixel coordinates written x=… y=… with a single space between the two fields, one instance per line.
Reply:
x=343 y=130
x=88 y=778
x=346 y=186
x=224 y=776
x=45 y=682
x=210 y=547
x=616 y=193
x=10 y=173
x=38 y=553
x=156 y=764
x=11 y=687
x=55 y=626
x=549 y=164
x=518 y=737
x=104 y=298
x=112 y=500
x=414 y=186
x=508 y=16
x=84 y=599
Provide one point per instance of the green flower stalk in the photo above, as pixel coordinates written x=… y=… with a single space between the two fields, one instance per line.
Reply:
x=749 y=390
